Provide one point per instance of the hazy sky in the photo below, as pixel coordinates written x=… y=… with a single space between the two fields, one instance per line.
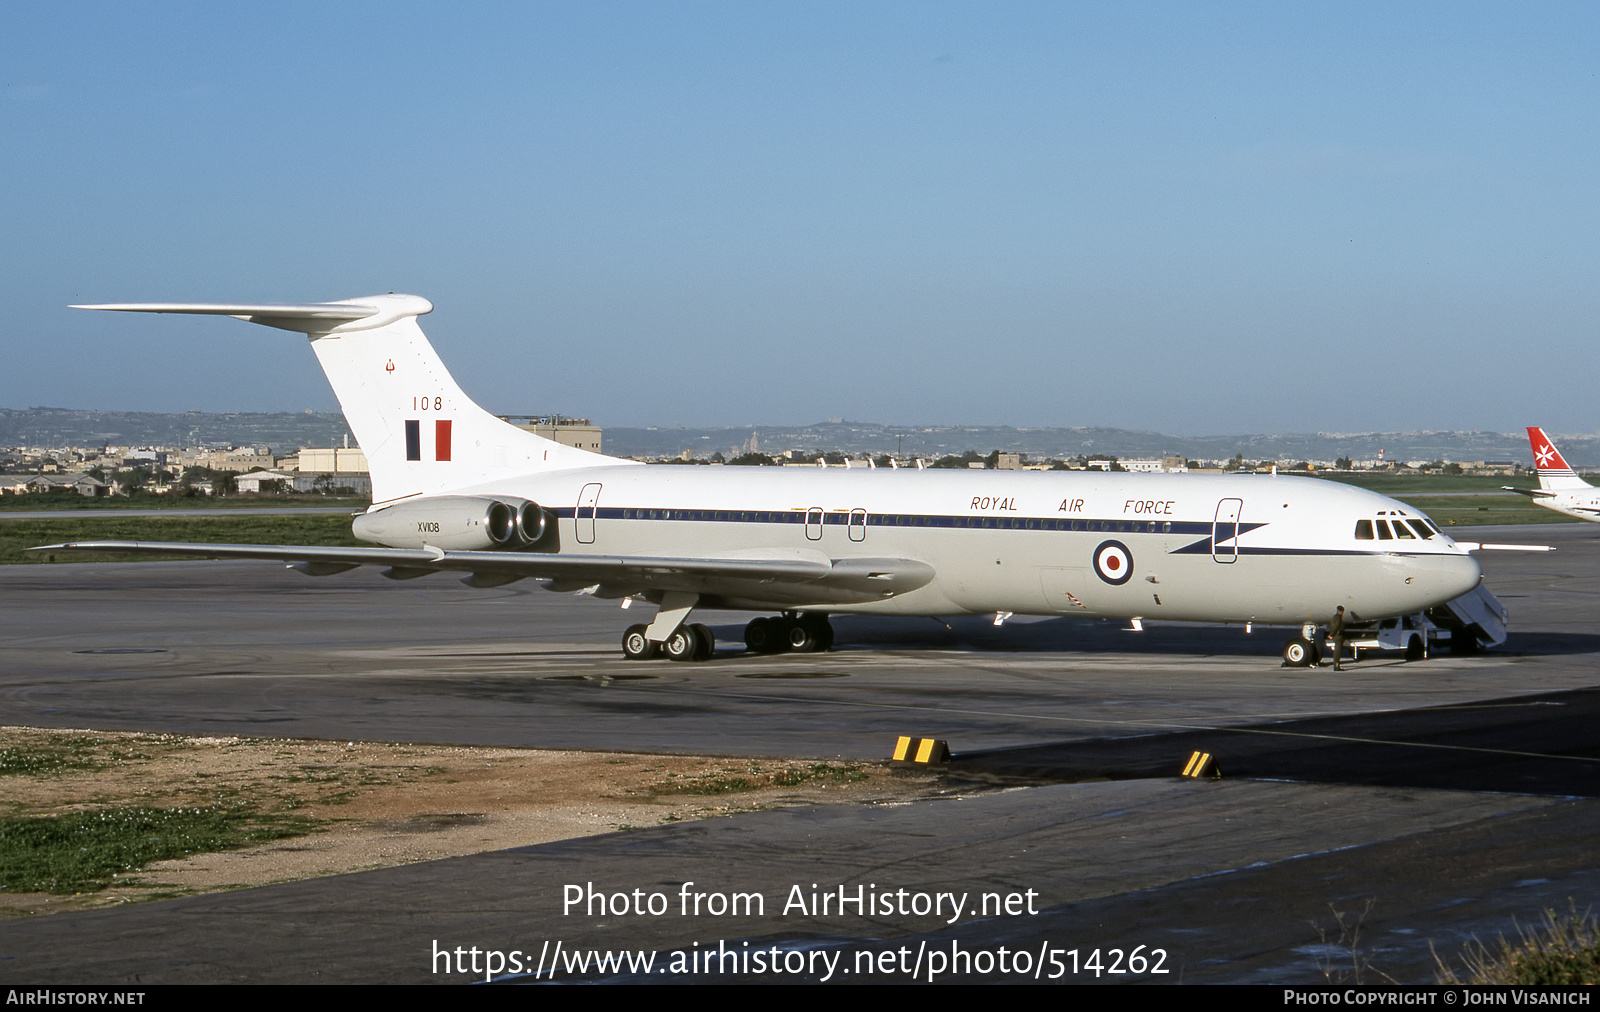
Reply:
x=1195 y=218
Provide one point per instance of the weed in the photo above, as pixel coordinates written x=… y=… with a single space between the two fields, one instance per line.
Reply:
x=1341 y=941
x=1565 y=949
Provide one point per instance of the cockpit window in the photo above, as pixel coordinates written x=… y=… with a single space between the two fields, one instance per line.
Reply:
x=1422 y=528
x=1363 y=530
x=1383 y=531
x=1402 y=531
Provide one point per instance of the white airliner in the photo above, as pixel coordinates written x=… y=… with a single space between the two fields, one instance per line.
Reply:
x=457 y=489
x=1560 y=488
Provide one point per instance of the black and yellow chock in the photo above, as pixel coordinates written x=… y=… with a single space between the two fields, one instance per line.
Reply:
x=1202 y=765
x=921 y=751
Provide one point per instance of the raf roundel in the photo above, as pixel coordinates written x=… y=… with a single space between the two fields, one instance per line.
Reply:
x=1113 y=563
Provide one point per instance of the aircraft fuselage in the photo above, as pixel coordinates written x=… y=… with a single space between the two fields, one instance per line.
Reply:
x=1160 y=546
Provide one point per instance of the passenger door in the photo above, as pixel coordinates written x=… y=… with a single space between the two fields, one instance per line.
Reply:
x=1225 y=531
x=588 y=502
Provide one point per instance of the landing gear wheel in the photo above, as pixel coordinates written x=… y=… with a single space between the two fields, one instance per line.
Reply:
x=824 y=634
x=765 y=636
x=811 y=633
x=1415 y=649
x=682 y=645
x=635 y=647
x=800 y=636
x=705 y=643
x=1298 y=653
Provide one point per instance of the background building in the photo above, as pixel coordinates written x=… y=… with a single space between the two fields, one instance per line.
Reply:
x=576 y=432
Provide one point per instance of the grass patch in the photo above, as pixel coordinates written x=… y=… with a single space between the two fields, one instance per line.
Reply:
x=1468 y=510
x=58 y=753
x=85 y=851
x=848 y=773
x=1397 y=484
x=1564 y=949
x=18 y=535
x=754 y=778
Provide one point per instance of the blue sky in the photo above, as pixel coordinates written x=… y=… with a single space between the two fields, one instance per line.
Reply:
x=1184 y=217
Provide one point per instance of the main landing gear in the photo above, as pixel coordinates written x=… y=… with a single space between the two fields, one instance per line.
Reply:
x=686 y=643
x=673 y=636
x=801 y=632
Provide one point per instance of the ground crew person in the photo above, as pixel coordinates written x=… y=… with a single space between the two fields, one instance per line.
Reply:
x=1337 y=634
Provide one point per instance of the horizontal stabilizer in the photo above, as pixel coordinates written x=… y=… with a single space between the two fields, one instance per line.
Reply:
x=314 y=310
x=312 y=318
x=1536 y=493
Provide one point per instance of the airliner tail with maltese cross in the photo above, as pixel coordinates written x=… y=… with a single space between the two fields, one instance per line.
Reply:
x=1560 y=488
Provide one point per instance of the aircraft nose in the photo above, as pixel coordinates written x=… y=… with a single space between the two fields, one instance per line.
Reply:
x=1441 y=578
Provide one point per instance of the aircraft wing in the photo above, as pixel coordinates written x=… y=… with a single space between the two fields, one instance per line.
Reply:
x=809 y=578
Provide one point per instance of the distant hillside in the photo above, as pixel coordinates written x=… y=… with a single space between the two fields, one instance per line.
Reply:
x=286 y=431
x=934 y=441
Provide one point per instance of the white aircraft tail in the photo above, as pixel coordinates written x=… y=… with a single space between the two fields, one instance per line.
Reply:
x=1554 y=474
x=420 y=433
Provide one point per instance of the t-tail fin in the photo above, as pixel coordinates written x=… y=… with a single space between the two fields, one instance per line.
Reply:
x=420 y=433
x=1552 y=468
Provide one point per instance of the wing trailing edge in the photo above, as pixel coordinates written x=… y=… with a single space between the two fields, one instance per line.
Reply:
x=800 y=580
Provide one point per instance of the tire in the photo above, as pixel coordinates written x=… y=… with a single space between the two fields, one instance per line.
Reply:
x=706 y=644
x=1297 y=653
x=761 y=636
x=682 y=645
x=1415 y=649
x=823 y=631
x=635 y=647
x=800 y=637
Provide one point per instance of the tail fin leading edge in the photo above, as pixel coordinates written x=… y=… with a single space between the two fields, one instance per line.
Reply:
x=1552 y=468
x=420 y=433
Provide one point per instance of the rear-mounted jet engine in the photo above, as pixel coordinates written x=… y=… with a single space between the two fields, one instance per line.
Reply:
x=456 y=523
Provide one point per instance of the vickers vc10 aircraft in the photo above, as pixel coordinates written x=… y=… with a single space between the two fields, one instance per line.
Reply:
x=1560 y=488
x=457 y=489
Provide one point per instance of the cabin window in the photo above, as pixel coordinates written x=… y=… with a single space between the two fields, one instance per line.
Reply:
x=1364 y=530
